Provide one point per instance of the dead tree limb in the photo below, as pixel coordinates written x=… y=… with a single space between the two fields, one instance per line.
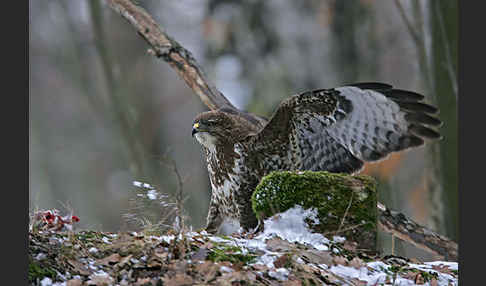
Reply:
x=407 y=230
x=166 y=48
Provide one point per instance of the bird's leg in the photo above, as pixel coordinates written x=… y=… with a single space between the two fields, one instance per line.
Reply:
x=248 y=219
x=214 y=219
x=258 y=228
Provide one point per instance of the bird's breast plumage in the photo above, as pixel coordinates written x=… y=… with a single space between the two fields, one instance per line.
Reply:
x=228 y=176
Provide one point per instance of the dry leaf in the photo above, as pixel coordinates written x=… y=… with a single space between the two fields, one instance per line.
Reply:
x=358 y=282
x=79 y=267
x=200 y=254
x=279 y=245
x=100 y=280
x=317 y=257
x=154 y=262
x=124 y=260
x=281 y=261
x=419 y=279
x=356 y=263
x=340 y=260
x=143 y=281
x=74 y=282
x=350 y=245
x=178 y=280
x=259 y=267
x=208 y=270
x=109 y=260
x=292 y=283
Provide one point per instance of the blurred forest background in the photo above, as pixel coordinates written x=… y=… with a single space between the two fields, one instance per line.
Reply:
x=103 y=112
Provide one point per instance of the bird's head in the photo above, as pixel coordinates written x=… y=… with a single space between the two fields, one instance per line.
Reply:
x=223 y=127
x=213 y=127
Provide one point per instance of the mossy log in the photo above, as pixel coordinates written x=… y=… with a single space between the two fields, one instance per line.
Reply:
x=345 y=204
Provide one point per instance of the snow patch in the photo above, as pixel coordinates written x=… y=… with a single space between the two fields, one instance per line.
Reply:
x=152 y=194
x=225 y=269
x=93 y=250
x=451 y=265
x=338 y=239
x=40 y=256
x=290 y=226
x=280 y=274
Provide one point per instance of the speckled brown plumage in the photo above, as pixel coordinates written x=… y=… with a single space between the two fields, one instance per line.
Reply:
x=329 y=129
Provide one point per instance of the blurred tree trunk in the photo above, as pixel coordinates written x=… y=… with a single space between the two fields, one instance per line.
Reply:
x=433 y=178
x=118 y=104
x=347 y=17
x=443 y=21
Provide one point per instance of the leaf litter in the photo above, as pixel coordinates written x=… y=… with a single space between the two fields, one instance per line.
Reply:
x=285 y=253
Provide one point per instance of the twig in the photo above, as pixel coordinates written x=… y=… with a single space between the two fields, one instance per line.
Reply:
x=179 y=193
x=166 y=48
x=346 y=212
x=345 y=229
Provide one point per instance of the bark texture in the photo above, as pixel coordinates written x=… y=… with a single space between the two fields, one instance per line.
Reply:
x=404 y=228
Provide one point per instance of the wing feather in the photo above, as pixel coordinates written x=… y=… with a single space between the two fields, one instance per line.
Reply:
x=337 y=129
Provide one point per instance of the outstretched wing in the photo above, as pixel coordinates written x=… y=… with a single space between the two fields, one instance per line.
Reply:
x=337 y=129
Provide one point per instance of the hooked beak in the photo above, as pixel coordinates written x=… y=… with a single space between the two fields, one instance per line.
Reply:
x=195 y=129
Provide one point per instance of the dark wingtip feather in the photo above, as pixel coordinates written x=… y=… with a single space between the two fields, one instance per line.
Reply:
x=422 y=118
x=417 y=107
x=349 y=167
x=369 y=154
x=409 y=141
x=424 y=131
x=372 y=85
x=402 y=95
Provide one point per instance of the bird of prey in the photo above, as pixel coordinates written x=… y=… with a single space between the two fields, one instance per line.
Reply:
x=333 y=130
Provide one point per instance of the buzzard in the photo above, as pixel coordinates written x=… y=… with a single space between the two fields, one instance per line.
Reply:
x=333 y=130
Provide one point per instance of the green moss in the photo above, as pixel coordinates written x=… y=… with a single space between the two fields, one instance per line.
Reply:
x=37 y=271
x=329 y=193
x=402 y=270
x=233 y=254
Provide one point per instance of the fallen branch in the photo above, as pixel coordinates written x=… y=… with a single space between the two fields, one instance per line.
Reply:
x=407 y=230
x=166 y=48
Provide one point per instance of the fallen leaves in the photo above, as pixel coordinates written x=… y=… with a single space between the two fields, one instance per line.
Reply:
x=179 y=279
x=282 y=261
x=138 y=259
x=109 y=260
x=78 y=267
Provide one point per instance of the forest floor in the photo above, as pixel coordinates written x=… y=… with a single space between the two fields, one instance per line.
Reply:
x=281 y=255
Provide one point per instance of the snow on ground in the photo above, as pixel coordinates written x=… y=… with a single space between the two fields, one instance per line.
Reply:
x=376 y=273
x=291 y=227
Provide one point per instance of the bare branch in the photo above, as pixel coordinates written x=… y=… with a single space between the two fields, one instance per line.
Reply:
x=407 y=230
x=172 y=52
x=344 y=229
